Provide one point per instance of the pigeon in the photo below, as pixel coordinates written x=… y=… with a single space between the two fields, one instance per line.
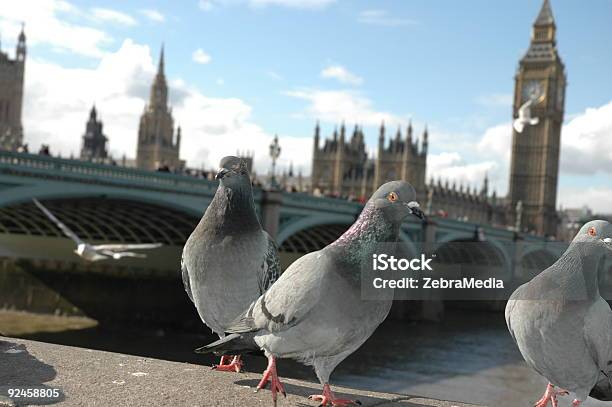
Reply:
x=90 y=252
x=314 y=313
x=229 y=260
x=562 y=325
x=524 y=117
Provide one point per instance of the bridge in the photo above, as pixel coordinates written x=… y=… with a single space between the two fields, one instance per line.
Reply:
x=104 y=203
x=119 y=204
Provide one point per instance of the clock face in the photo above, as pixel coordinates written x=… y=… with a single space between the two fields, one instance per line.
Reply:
x=534 y=90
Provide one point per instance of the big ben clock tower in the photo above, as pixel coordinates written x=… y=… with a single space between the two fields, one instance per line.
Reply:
x=535 y=151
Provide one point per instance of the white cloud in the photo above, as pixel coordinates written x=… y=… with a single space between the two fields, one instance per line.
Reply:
x=587 y=142
x=599 y=199
x=495 y=99
x=293 y=3
x=112 y=16
x=200 y=56
x=274 y=75
x=205 y=5
x=55 y=112
x=586 y=151
x=208 y=5
x=451 y=166
x=341 y=74
x=337 y=105
x=44 y=25
x=383 y=18
x=153 y=15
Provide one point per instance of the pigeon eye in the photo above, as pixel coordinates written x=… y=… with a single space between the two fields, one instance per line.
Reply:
x=592 y=231
x=392 y=197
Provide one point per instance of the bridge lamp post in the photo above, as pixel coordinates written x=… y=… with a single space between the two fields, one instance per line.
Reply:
x=275 y=151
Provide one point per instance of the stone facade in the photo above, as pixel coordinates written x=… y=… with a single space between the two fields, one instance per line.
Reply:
x=341 y=167
x=94 y=140
x=158 y=142
x=11 y=95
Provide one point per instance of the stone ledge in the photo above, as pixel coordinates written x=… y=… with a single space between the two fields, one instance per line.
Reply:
x=86 y=377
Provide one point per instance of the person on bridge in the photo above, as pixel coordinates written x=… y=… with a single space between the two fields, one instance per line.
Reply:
x=562 y=325
x=229 y=260
x=315 y=312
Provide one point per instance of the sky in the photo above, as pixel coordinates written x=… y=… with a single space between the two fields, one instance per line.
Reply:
x=241 y=71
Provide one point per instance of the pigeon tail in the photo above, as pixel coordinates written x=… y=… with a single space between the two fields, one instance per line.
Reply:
x=231 y=344
x=603 y=389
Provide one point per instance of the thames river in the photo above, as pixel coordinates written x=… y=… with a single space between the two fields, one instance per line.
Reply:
x=467 y=357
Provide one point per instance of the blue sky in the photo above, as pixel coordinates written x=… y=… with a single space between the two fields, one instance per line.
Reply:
x=275 y=66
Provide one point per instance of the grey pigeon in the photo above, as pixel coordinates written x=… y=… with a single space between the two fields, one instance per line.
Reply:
x=561 y=324
x=314 y=312
x=229 y=260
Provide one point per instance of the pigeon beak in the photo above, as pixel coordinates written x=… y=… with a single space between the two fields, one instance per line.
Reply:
x=221 y=173
x=608 y=242
x=415 y=210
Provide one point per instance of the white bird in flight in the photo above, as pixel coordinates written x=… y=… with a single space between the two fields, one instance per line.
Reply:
x=524 y=117
x=91 y=252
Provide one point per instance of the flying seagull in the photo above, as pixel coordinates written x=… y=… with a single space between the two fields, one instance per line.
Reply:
x=314 y=312
x=562 y=326
x=229 y=260
x=98 y=252
x=524 y=117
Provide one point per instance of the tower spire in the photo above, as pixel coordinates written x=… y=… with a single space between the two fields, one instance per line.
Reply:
x=545 y=17
x=160 y=66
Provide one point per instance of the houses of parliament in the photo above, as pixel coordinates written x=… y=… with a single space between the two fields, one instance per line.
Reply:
x=341 y=167
x=340 y=163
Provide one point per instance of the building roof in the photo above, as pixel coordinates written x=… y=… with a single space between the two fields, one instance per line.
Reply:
x=545 y=16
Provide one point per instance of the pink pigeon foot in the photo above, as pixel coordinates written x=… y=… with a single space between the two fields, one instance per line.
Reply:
x=234 y=366
x=328 y=399
x=270 y=375
x=576 y=403
x=550 y=395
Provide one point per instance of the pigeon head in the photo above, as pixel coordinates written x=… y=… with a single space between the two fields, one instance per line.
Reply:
x=232 y=171
x=396 y=200
x=597 y=234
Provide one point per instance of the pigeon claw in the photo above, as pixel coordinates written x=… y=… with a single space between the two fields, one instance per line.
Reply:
x=550 y=395
x=270 y=375
x=234 y=366
x=328 y=399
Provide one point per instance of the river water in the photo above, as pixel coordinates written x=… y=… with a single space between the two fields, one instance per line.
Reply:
x=469 y=356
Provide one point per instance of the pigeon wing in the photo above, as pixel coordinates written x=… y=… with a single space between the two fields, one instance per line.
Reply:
x=270 y=269
x=185 y=276
x=288 y=300
x=518 y=125
x=126 y=246
x=598 y=334
x=65 y=229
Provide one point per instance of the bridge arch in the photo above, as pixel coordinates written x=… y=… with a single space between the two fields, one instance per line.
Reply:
x=52 y=191
x=324 y=229
x=480 y=255
x=100 y=219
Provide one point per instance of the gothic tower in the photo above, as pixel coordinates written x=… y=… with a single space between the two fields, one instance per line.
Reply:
x=158 y=144
x=535 y=152
x=11 y=95
x=94 y=140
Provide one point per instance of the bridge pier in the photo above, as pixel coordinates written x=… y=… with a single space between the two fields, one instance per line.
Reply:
x=271 y=202
x=432 y=308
